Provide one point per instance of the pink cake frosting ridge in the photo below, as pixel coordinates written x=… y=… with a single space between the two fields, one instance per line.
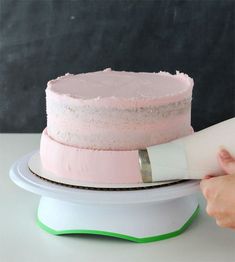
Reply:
x=118 y=167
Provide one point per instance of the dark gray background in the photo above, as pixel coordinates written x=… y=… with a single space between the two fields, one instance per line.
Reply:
x=40 y=40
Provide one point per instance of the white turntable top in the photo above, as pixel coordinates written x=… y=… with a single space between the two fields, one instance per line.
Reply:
x=25 y=178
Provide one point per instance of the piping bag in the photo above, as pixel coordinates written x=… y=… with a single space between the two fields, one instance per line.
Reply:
x=190 y=157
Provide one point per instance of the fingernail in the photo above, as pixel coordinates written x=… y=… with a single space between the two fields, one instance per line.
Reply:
x=208 y=176
x=224 y=153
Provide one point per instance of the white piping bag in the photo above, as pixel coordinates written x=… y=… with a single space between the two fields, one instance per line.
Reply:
x=190 y=157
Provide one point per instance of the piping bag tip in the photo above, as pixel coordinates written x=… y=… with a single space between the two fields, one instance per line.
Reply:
x=145 y=166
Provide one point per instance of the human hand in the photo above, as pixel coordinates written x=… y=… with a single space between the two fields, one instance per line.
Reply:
x=220 y=192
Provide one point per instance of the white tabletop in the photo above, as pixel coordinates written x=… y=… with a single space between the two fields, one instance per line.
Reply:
x=22 y=240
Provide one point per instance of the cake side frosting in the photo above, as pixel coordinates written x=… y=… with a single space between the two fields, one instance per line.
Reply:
x=115 y=167
x=118 y=110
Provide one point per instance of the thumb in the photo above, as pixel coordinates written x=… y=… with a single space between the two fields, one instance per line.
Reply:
x=226 y=161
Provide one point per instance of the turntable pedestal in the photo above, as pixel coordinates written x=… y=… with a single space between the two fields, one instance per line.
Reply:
x=144 y=222
x=142 y=215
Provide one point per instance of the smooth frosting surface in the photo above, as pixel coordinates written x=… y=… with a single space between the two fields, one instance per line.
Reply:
x=94 y=166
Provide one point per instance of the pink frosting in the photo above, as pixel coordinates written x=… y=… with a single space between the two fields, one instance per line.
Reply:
x=96 y=121
x=121 y=84
x=111 y=110
x=119 y=167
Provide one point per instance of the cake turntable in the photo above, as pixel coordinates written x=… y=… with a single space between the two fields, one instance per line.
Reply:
x=140 y=213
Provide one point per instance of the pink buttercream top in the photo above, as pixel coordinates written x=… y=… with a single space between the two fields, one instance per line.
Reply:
x=120 y=86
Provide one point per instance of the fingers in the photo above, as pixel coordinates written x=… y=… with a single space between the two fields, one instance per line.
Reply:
x=213 y=208
x=225 y=223
x=225 y=156
x=206 y=187
x=226 y=161
x=211 y=185
x=208 y=176
x=220 y=198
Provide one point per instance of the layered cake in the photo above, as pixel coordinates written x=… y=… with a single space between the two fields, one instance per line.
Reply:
x=97 y=121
